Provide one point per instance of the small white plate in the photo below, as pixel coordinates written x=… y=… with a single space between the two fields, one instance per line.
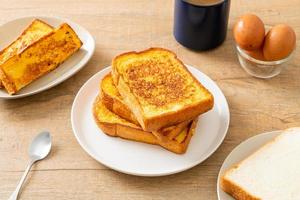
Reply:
x=11 y=30
x=241 y=152
x=143 y=159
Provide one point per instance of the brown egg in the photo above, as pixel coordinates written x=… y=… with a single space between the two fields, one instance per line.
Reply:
x=257 y=54
x=280 y=41
x=249 y=32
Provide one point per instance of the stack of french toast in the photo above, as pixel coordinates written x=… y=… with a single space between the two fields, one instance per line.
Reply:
x=40 y=49
x=151 y=97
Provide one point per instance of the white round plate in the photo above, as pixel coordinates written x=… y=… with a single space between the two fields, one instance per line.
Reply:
x=11 y=30
x=143 y=159
x=241 y=152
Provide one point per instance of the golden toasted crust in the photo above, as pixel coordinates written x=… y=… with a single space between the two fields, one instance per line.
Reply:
x=159 y=83
x=28 y=36
x=115 y=126
x=20 y=41
x=188 y=113
x=114 y=102
x=41 y=57
x=7 y=82
x=181 y=148
x=126 y=132
x=118 y=129
x=172 y=132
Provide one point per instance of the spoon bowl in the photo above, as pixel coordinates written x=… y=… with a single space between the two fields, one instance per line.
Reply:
x=40 y=146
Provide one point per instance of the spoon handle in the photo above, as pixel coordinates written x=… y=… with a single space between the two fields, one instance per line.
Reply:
x=15 y=194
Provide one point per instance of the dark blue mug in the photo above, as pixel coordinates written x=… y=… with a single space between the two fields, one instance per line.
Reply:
x=201 y=24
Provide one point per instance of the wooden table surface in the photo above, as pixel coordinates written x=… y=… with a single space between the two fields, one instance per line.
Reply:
x=255 y=105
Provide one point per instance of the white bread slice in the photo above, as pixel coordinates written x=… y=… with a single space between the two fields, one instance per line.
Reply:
x=271 y=173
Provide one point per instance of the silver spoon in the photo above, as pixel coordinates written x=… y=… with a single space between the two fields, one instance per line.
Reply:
x=39 y=149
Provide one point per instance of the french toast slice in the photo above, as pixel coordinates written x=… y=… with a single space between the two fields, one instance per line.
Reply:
x=39 y=58
x=32 y=33
x=114 y=102
x=158 y=88
x=183 y=138
x=114 y=125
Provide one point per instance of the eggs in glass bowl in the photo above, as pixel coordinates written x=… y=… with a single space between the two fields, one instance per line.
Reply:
x=263 y=50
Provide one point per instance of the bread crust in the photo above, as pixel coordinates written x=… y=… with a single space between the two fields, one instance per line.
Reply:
x=18 y=38
x=116 y=105
x=181 y=148
x=136 y=133
x=172 y=118
x=175 y=130
x=166 y=119
x=9 y=84
x=118 y=130
x=24 y=32
x=237 y=191
x=6 y=81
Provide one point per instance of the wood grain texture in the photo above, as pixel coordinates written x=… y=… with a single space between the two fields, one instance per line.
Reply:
x=69 y=173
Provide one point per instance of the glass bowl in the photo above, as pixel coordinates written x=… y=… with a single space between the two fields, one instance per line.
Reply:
x=259 y=68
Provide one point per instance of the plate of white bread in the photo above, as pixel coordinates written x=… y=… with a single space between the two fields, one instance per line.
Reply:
x=266 y=166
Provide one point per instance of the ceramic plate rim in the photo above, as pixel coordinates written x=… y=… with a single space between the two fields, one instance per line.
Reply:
x=91 y=153
x=271 y=134
x=55 y=83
